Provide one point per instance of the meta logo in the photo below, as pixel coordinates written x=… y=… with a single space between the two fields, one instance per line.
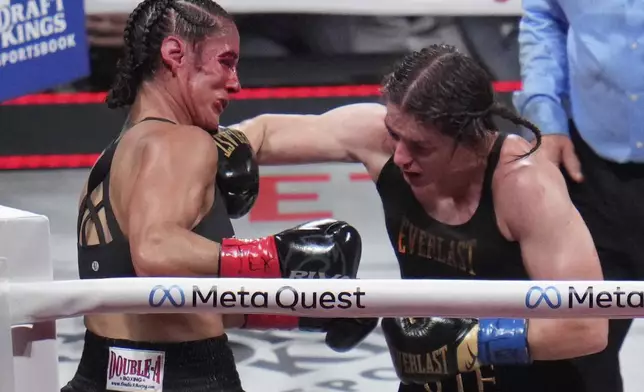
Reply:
x=536 y=295
x=590 y=298
x=173 y=294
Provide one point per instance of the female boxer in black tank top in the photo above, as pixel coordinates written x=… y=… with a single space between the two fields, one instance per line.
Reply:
x=113 y=259
x=155 y=207
x=429 y=249
x=212 y=364
x=324 y=248
x=461 y=201
x=168 y=43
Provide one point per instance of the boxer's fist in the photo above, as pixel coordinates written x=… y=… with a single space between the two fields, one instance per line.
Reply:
x=342 y=334
x=429 y=349
x=315 y=250
x=330 y=249
x=319 y=249
x=237 y=173
x=326 y=249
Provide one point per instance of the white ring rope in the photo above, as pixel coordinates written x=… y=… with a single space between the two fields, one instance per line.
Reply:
x=42 y=301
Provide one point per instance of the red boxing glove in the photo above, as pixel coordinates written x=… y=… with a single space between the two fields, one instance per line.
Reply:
x=254 y=259
x=320 y=249
x=249 y=258
x=261 y=322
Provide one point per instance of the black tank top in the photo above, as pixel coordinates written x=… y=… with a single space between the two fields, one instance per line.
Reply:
x=112 y=259
x=428 y=249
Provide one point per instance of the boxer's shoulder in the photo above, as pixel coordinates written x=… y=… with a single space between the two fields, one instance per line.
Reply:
x=523 y=184
x=376 y=110
x=164 y=145
x=175 y=138
x=514 y=160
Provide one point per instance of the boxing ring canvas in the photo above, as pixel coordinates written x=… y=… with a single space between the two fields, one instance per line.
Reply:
x=288 y=361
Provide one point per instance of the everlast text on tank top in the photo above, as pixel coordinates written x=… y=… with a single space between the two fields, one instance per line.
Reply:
x=111 y=258
x=428 y=249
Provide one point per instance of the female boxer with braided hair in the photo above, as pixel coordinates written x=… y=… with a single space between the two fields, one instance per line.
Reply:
x=461 y=200
x=159 y=201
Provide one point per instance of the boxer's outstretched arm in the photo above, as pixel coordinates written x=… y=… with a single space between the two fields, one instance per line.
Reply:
x=352 y=133
x=175 y=170
x=532 y=202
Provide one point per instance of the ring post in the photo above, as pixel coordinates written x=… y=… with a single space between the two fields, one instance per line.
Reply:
x=25 y=244
x=6 y=352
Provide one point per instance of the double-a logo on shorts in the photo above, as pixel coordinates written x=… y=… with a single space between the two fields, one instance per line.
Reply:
x=551 y=297
x=132 y=370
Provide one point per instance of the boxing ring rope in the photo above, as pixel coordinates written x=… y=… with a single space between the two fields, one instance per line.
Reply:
x=43 y=301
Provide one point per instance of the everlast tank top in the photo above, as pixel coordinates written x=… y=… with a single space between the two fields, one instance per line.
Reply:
x=112 y=259
x=428 y=249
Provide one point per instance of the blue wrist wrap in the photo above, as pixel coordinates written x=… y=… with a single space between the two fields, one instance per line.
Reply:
x=503 y=342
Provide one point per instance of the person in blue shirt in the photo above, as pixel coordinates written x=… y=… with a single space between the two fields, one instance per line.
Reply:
x=582 y=67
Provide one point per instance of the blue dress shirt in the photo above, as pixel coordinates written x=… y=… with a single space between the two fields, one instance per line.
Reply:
x=584 y=59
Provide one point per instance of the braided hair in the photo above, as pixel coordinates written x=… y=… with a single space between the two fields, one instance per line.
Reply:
x=149 y=23
x=440 y=86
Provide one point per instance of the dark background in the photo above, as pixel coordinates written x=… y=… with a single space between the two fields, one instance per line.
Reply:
x=280 y=51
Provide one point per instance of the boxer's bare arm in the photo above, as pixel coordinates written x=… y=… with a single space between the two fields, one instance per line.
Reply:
x=352 y=133
x=175 y=170
x=533 y=208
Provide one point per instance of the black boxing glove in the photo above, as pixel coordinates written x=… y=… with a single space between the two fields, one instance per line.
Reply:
x=316 y=250
x=237 y=173
x=342 y=334
x=426 y=350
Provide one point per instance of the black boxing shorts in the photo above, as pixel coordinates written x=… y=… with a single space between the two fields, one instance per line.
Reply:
x=121 y=365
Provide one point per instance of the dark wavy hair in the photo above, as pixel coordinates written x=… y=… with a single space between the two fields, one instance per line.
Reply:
x=149 y=23
x=441 y=86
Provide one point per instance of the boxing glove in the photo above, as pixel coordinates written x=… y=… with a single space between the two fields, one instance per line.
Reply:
x=314 y=250
x=237 y=172
x=425 y=350
x=317 y=249
x=342 y=334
